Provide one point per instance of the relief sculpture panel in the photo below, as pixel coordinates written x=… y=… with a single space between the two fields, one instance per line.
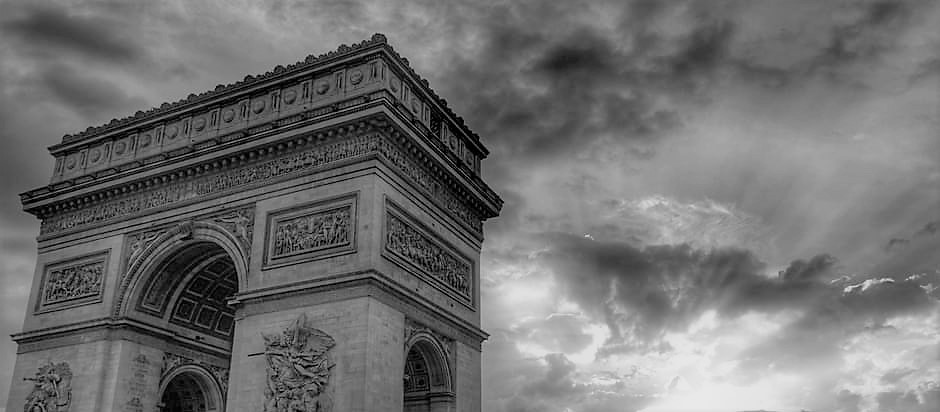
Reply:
x=52 y=388
x=298 y=369
x=311 y=232
x=73 y=283
x=420 y=250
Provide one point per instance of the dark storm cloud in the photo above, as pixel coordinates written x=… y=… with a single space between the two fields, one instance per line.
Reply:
x=808 y=270
x=540 y=93
x=928 y=230
x=93 y=98
x=53 y=28
x=642 y=293
x=815 y=339
x=863 y=37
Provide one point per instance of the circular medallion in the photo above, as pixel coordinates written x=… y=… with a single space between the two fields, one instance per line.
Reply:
x=394 y=84
x=95 y=155
x=119 y=148
x=257 y=106
x=290 y=97
x=145 y=141
x=323 y=86
x=171 y=132
x=199 y=124
x=70 y=163
x=355 y=77
x=228 y=115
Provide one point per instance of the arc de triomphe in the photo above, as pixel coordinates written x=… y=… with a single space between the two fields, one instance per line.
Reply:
x=303 y=240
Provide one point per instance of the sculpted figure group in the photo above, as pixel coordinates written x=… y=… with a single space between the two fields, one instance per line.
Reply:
x=312 y=232
x=298 y=370
x=73 y=282
x=52 y=390
x=424 y=253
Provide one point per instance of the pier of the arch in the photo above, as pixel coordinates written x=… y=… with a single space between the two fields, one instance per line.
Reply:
x=305 y=240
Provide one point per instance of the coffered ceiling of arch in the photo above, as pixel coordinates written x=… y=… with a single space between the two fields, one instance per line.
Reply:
x=191 y=290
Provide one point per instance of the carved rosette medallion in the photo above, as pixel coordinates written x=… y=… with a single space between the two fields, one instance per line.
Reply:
x=74 y=282
x=312 y=231
x=299 y=369
x=422 y=251
x=52 y=389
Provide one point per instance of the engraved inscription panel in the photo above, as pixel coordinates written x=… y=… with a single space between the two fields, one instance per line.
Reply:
x=73 y=282
x=422 y=251
x=312 y=231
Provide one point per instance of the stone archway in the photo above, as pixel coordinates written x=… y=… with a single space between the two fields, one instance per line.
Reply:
x=151 y=250
x=182 y=284
x=190 y=388
x=428 y=385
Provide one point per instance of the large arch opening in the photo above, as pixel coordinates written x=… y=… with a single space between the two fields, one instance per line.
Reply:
x=186 y=291
x=191 y=288
x=427 y=380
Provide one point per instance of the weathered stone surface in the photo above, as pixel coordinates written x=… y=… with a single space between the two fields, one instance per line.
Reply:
x=299 y=369
x=52 y=388
x=298 y=247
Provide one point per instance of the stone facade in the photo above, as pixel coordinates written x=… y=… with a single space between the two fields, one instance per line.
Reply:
x=285 y=243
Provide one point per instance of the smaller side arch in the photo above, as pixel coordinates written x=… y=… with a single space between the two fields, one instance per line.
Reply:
x=432 y=351
x=202 y=378
x=174 y=239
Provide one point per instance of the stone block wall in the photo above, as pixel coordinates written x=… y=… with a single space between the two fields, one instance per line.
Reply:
x=364 y=331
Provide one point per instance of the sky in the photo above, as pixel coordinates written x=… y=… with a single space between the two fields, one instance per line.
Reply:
x=709 y=205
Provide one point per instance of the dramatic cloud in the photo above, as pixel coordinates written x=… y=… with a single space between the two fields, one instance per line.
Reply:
x=644 y=293
x=57 y=30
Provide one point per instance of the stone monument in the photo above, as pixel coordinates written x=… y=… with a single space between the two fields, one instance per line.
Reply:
x=299 y=241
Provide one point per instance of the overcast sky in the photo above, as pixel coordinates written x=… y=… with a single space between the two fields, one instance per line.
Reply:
x=709 y=205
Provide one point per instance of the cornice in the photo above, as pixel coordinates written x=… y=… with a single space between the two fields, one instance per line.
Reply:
x=386 y=290
x=123 y=148
x=378 y=41
x=105 y=328
x=469 y=205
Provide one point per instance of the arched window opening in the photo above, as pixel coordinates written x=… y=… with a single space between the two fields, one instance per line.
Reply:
x=427 y=382
x=188 y=392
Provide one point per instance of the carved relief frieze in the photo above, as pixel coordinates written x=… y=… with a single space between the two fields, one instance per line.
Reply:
x=240 y=177
x=74 y=282
x=434 y=187
x=311 y=231
x=299 y=367
x=234 y=178
x=52 y=388
x=419 y=249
